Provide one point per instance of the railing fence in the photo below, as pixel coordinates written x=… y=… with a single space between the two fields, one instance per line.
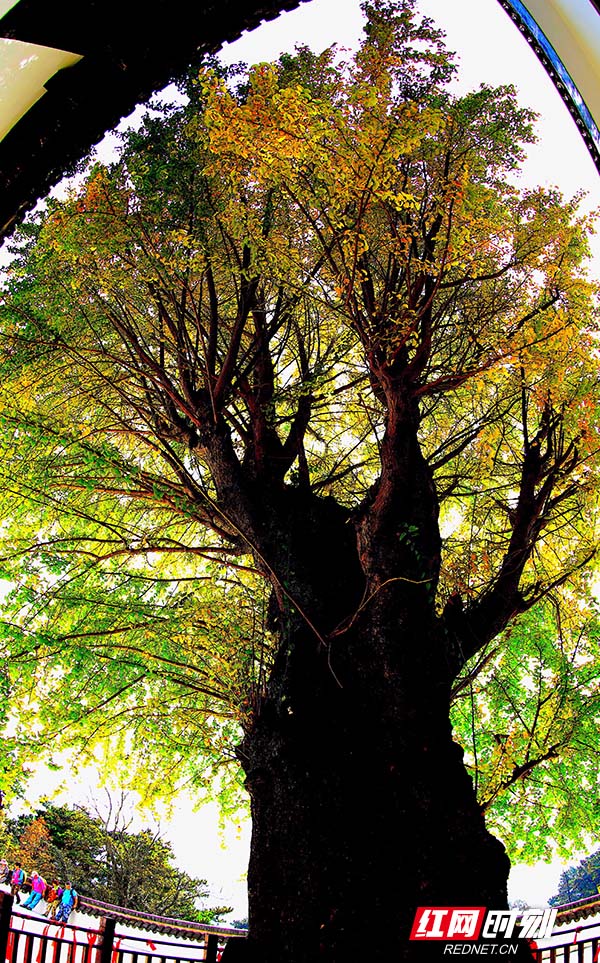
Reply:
x=573 y=945
x=25 y=938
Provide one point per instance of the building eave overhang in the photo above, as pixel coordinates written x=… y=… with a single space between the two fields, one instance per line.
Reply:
x=111 y=55
x=580 y=910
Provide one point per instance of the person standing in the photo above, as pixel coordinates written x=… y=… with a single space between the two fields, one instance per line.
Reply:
x=67 y=903
x=38 y=888
x=4 y=872
x=16 y=881
x=52 y=897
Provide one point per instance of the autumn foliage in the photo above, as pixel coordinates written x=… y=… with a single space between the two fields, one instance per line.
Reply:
x=300 y=456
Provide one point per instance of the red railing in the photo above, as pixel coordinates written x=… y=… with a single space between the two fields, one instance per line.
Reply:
x=577 y=944
x=25 y=938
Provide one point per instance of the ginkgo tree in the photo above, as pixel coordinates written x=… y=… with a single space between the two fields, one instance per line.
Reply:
x=526 y=712
x=299 y=420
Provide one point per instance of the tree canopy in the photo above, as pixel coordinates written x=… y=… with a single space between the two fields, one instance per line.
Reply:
x=578 y=882
x=242 y=314
x=107 y=861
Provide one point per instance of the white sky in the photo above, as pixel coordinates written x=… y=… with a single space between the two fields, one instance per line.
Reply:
x=491 y=50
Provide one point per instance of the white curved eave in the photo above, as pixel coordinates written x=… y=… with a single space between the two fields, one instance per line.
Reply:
x=573 y=29
x=565 y=34
x=6 y=5
x=25 y=68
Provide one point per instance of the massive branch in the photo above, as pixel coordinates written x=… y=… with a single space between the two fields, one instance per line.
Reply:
x=548 y=458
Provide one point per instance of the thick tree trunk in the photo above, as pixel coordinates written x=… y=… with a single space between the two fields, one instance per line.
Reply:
x=362 y=811
x=361 y=807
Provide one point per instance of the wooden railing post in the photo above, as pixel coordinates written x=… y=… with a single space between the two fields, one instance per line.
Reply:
x=212 y=945
x=6 y=905
x=107 y=940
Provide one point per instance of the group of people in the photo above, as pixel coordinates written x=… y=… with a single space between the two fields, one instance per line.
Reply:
x=60 y=900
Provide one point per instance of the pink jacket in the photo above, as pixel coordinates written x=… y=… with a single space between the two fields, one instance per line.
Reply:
x=38 y=885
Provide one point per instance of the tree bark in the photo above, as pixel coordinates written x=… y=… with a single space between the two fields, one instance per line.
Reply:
x=362 y=809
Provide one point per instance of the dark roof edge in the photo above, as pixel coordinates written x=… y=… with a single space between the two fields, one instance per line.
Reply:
x=119 y=70
x=186 y=929
x=579 y=909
